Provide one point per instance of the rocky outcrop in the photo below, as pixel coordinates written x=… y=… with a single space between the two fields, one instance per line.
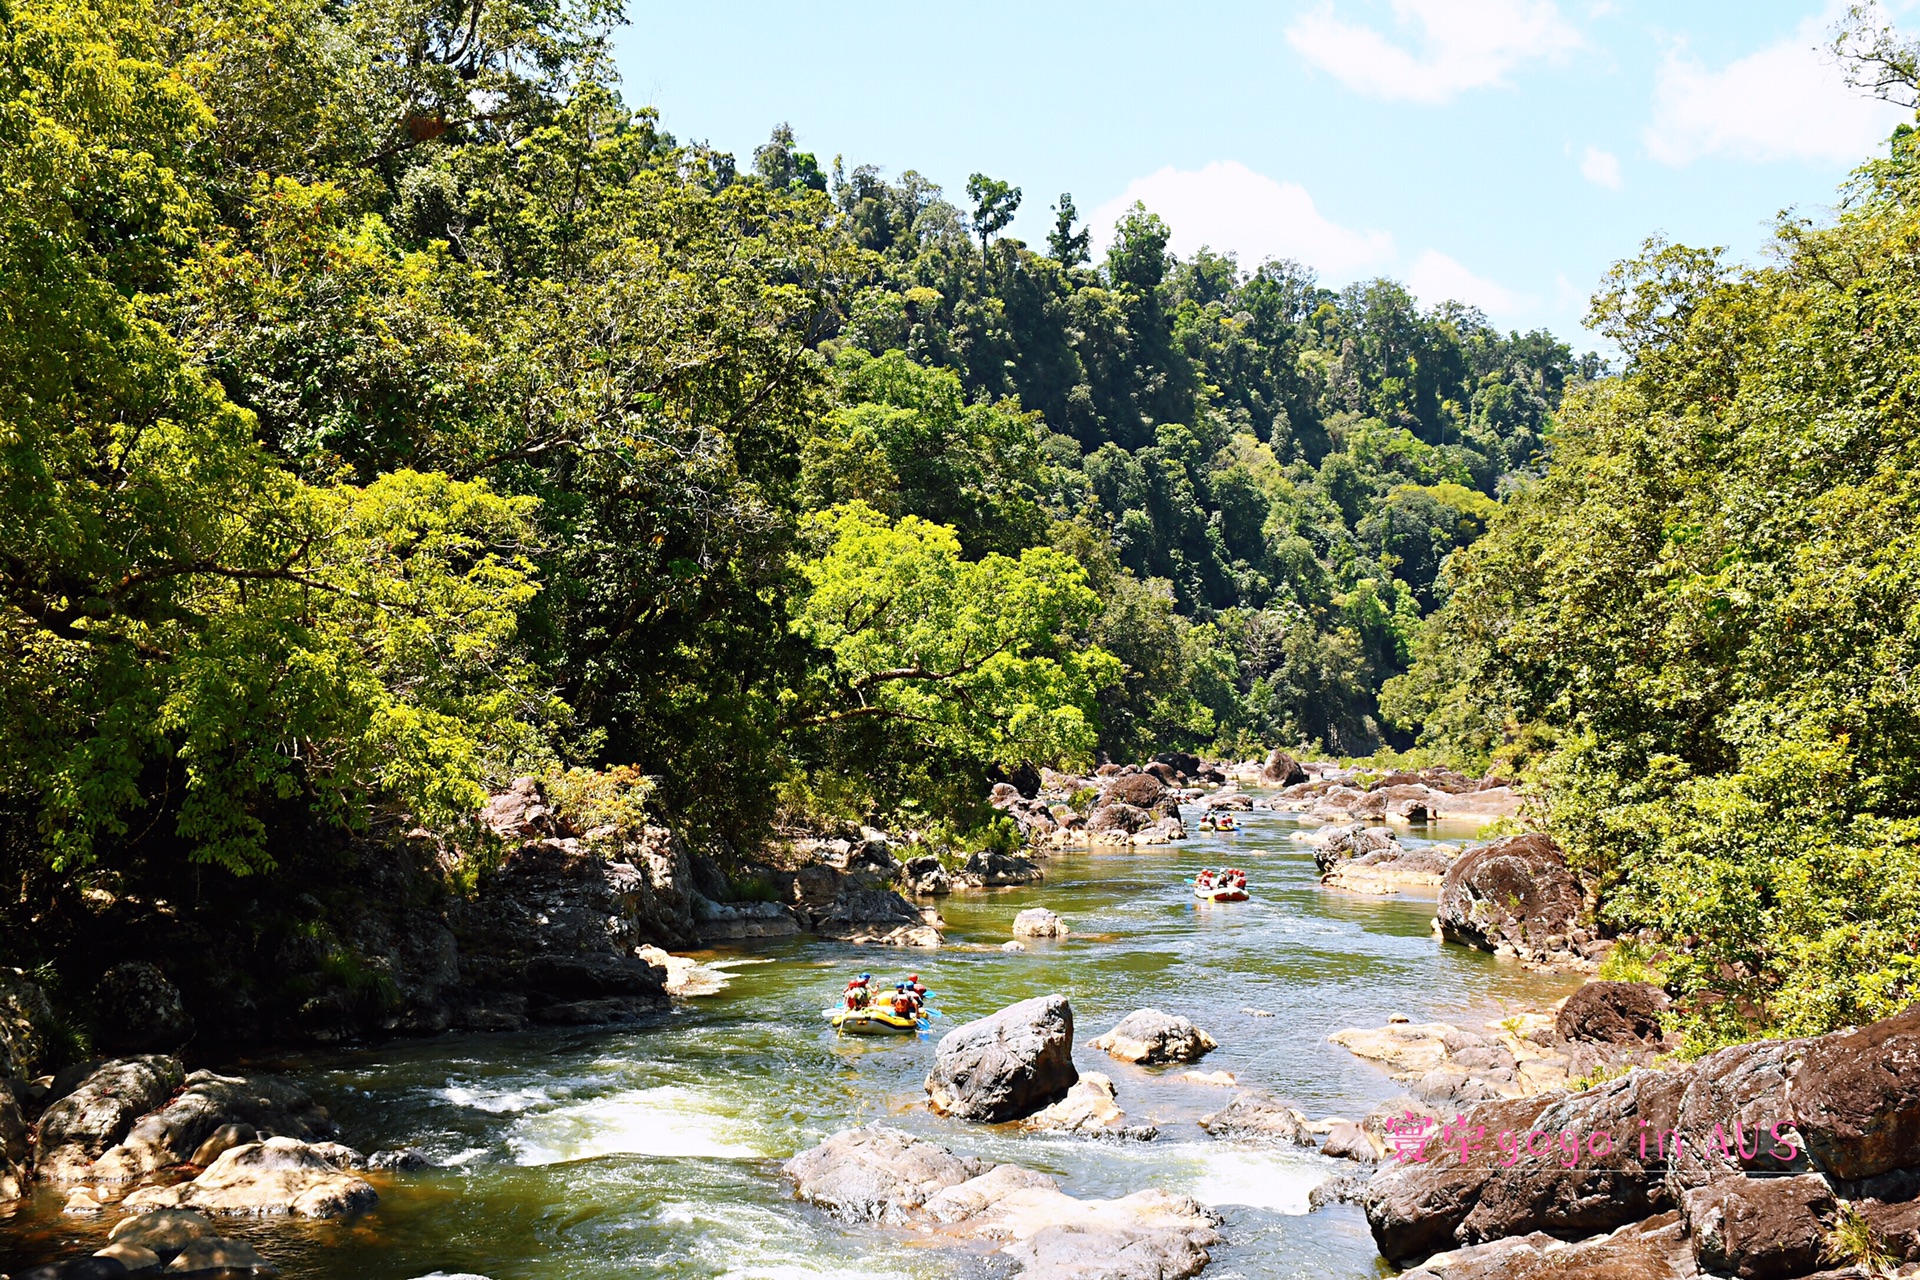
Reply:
x=275 y=1177
x=1117 y=816
x=993 y=870
x=136 y=1010
x=1448 y=1065
x=1654 y=1249
x=882 y=1175
x=1150 y=1037
x=77 y=1129
x=1760 y=1229
x=1090 y=1109
x=1038 y=922
x=184 y=1129
x=1516 y=897
x=1725 y=1141
x=1614 y=1013
x=1255 y=1116
x=1281 y=770
x=1140 y=791
x=1856 y=1098
x=1005 y=1066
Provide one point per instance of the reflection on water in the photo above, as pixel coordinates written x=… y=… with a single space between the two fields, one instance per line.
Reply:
x=655 y=1151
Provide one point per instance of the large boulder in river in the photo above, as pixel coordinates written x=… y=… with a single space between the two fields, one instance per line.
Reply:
x=879 y=1174
x=210 y=1104
x=1007 y=1065
x=278 y=1176
x=1257 y=1116
x=997 y=870
x=138 y=1011
x=1515 y=896
x=1856 y=1098
x=1281 y=770
x=97 y=1115
x=1038 y=922
x=1125 y=818
x=1141 y=790
x=1150 y=1037
x=1350 y=842
x=1626 y=1013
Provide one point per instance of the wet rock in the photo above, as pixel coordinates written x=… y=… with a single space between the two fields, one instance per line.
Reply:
x=1140 y=791
x=1119 y=817
x=1345 y=1188
x=225 y=1257
x=735 y=921
x=81 y=1126
x=1390 y=868
x=1759 y=1228
x=138 y=1011
x=1038 y=922
x=1614 y=1013
x=883 y=1175
x=1281 y=770
x=1855 y=1097
x=81 y=1202
x=221 y=1141
x=687 y=978
x=1655 y=1249
x=1333 y=845
x=278 y=1176
x=137 y=1259
x=1000 y=870
x=1150 y=1037
x=211 y=1104
x=1005 y=1066
x=1255 y=1115
x=1348 y=1141
x=1013 y=945
x=1090 y=1108
x=877 y=1174
x=925 y=877
x=400 y=1160
x=1515 y=896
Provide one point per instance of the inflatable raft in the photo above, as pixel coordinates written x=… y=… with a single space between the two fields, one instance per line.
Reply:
x=1220 y=893
x=873 y=1022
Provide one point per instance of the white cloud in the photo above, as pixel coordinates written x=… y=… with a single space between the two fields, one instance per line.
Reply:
x=1461 y=44
x=1436 y=278
x=1785 y=102
x=1602 y=168
x=1230 y=207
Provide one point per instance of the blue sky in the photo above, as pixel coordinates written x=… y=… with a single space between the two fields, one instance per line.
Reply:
x=1504 y=152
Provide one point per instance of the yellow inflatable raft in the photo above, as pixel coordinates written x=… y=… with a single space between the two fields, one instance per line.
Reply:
x=873 y=1022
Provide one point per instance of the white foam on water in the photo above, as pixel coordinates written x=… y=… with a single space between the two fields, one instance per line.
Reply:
x=466 y=1157
x=495 y=1101
x=1274 y=1180
x=793 y=1271
x=664 y=1121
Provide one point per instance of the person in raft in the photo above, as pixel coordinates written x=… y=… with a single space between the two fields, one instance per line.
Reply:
x=857 y=992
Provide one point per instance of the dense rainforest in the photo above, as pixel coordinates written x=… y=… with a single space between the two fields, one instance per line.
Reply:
x=388 y=410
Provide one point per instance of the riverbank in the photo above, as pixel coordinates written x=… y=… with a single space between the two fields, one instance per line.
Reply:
x=657 y=1147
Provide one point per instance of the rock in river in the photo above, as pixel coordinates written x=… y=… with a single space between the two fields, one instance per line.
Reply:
x=1007 y=1065
x=1038 y=922
x=880 y=1174
x=1515 y=896
x=78 y=1128
x=278 y=1176
x=1150 y=1037
x=1254 y=1115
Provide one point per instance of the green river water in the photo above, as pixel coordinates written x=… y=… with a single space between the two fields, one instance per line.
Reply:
x=655 y=1151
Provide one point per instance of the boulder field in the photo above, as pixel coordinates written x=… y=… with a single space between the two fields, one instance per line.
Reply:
x=1736 y=1164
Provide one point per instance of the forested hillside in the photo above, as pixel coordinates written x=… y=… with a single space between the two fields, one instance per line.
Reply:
x=386 y=409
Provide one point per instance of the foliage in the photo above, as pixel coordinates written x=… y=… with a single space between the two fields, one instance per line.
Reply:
x=1701 y=616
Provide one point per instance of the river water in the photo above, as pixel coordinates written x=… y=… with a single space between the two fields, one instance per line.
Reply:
x=655 y=1151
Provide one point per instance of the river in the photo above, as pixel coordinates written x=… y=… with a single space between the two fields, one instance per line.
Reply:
x=655 y=1151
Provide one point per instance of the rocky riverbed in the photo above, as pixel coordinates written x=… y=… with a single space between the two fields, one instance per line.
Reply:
x=1118 y=1072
